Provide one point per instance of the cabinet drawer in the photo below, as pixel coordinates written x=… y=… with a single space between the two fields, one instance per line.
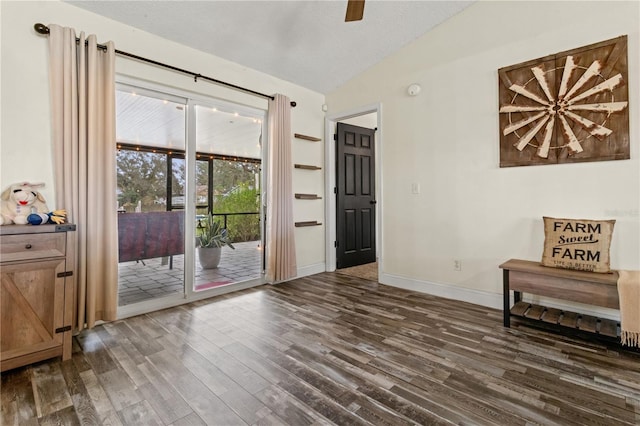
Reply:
x=32 y=246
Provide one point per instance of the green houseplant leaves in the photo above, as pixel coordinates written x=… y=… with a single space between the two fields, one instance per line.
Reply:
x=209 y=233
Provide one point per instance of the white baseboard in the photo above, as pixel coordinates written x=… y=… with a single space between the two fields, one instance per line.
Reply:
x=316 y=268
x=477 y=297
x=483 y=298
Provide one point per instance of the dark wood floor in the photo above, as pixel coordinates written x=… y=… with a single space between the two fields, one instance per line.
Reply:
x=326 y=349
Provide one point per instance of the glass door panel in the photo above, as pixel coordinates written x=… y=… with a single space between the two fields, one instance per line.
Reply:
x=150 y=127
x=228 y=166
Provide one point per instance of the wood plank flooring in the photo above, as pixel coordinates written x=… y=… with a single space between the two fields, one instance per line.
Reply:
x=326 y=349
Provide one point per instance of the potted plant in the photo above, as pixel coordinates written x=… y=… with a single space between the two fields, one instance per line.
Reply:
x=210 y=238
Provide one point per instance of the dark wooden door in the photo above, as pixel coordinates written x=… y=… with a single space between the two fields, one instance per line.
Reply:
x=355 y=203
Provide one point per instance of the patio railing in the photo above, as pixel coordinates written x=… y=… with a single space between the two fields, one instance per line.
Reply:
x=225 y=215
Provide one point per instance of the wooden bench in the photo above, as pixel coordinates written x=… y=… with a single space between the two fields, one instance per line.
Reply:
x=524 y=276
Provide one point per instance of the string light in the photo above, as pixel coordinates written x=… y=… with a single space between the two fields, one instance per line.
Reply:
x=212 y=156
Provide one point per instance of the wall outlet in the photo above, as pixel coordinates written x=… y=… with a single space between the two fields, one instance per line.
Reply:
x=457 y=265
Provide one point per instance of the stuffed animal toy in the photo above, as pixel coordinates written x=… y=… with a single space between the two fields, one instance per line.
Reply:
x=20 y=200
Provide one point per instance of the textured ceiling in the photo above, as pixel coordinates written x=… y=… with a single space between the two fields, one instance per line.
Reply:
x=304 y=42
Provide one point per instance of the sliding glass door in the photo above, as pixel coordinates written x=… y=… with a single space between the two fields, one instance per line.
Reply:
x=189 y=175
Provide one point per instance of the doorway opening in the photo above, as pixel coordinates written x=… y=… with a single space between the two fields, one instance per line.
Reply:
x=368 y=117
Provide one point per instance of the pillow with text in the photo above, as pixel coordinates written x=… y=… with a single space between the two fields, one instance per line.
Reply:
x=577 y=244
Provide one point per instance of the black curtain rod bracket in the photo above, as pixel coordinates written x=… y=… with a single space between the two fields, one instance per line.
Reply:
x=41 y=29
x=44 y=30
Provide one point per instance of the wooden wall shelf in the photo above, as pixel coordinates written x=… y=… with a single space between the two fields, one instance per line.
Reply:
x=307 y=223
x=308 y=197
x=300 y=196
x=305 y=137
x=307 y=167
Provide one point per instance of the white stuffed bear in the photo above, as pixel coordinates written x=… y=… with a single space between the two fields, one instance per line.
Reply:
x=20 y=200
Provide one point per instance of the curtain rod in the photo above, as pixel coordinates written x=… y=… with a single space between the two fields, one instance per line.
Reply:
x=44 y=30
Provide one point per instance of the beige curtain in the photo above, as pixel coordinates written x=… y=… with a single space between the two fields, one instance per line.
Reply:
x=281 y=250
x=82 y=78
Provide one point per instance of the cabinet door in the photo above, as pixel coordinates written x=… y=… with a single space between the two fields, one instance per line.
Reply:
x=32 y=307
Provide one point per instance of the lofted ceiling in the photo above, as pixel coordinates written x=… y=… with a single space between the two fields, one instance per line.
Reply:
x=305 y=42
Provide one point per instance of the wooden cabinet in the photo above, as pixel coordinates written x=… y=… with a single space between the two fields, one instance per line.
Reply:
x=36 y=293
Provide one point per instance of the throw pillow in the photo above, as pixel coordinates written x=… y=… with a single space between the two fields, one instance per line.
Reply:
x=577 y=244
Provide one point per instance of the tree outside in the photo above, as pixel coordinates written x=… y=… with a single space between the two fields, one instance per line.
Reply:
x=242 y=199
x=142 y=177
x=236 y=190
x=142 y=180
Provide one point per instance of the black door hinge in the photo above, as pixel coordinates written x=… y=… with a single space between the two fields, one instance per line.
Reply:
x=63 y=329
x=64 y=274
x=335 y=190
x=335 y=136
x=335 y=244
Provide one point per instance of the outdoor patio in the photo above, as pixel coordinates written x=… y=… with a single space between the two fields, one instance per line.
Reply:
x=154 y=278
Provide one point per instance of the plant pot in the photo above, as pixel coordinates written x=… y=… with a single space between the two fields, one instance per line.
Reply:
x=209 y=257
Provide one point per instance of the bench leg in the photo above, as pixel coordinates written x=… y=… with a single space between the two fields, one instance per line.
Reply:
x=506 y=299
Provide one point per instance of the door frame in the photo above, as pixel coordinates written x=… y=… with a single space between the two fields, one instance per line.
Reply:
x=331 y=121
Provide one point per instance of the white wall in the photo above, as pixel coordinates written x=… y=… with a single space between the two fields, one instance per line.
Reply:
x=25 y=153
x=369 y=121
x=447 y=140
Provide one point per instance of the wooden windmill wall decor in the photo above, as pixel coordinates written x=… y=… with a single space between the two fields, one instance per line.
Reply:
x=566 y=108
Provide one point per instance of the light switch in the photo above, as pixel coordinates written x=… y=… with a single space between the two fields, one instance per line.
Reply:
x=415 y=188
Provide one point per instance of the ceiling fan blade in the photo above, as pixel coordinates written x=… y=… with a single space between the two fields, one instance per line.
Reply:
x=355 y=10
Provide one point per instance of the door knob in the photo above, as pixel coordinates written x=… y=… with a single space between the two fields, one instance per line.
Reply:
x=372 y=202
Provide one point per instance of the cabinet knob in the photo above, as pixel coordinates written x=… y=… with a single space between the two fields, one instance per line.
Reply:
x=28 y=246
